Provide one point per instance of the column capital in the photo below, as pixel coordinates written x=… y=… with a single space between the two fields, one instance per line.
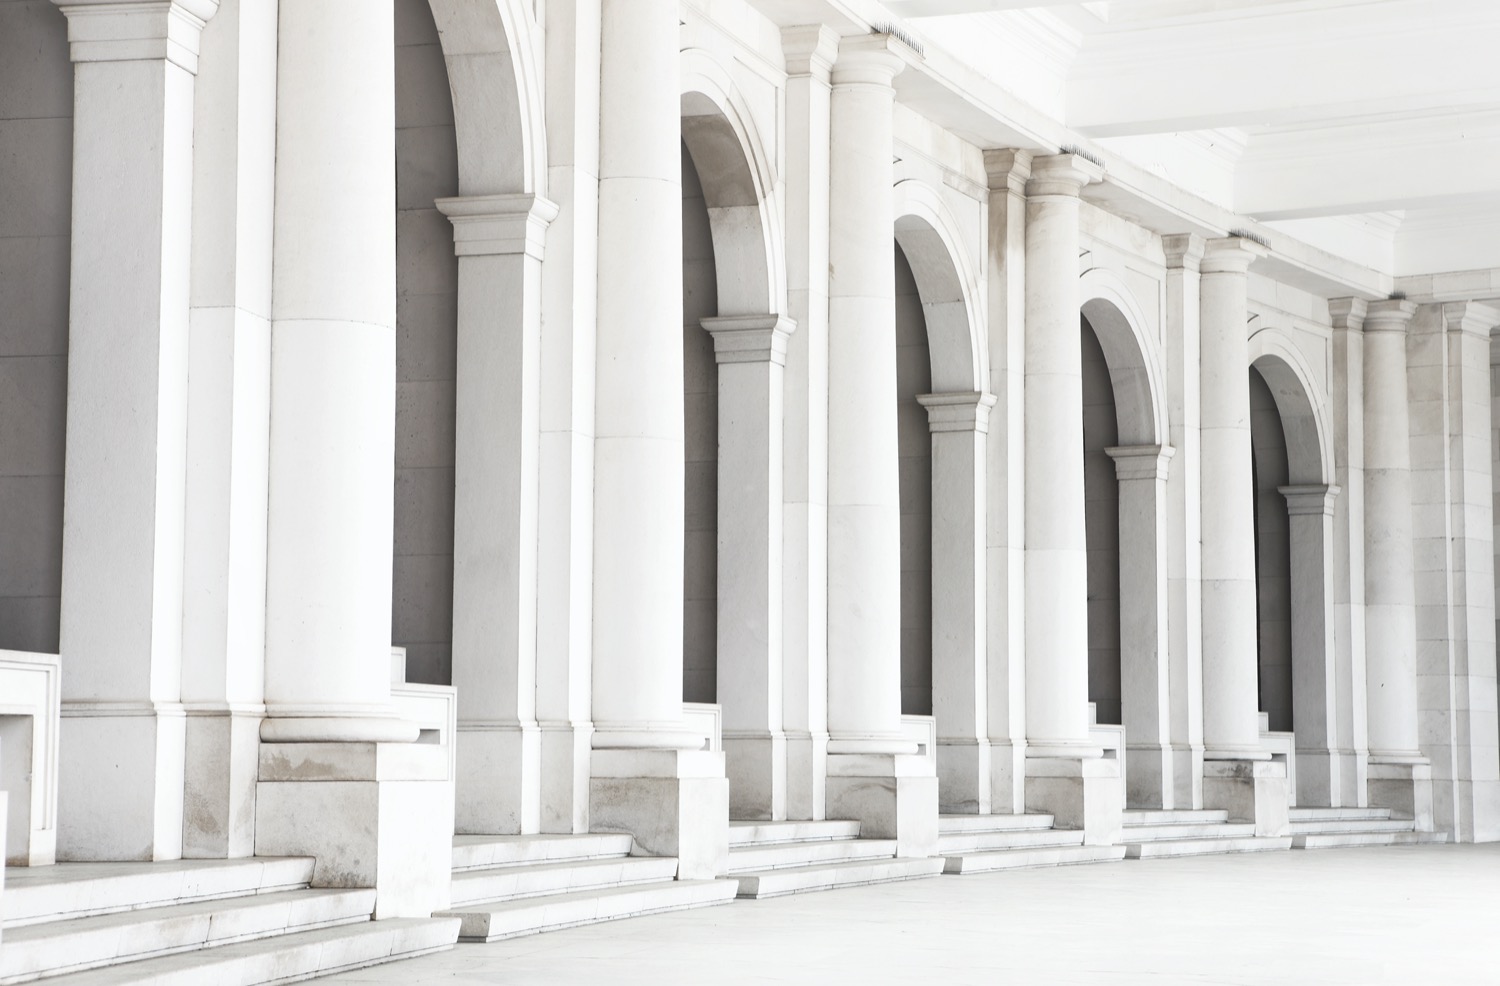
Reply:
x=1391 y=315
x=749 y=338
x=1311 y=500
x=1062 y=174
x=1008 y=169
x=1232 y=255
x=1348 y=313
x=1470 y=318
x=810 y=50
x=133 y=30
x=496 y=225
x=1135 y=462
x=1184 y=251
x=963 y=411
x=872 y=60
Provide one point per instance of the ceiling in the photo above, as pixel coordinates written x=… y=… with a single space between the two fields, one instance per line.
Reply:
x=1370 y=128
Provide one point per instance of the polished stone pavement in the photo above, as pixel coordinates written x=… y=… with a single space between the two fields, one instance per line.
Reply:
x=1418 y=914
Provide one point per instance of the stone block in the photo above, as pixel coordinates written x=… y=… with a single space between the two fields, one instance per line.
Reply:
x=756 y=767
x=891 y=796
x=675 y=803
x=1405 y=788
x=1079 y=793
x=1250 y=791
x=499 y=770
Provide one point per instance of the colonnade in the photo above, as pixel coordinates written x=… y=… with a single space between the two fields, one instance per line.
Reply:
x=809 y=522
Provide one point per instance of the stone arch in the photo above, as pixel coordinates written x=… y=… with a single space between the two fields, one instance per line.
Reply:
x=1124 y=333
x=738 y=185
x=492 y=51
x=948 y=285
x=1309 y=443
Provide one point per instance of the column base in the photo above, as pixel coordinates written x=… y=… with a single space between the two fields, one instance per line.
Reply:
x=1405 y=787
x=1326 y=777
x=223 y=766
x=1250 y=791
x=891 y=795
x=965 y=774
x=756 y=765
x=120 y=782
x=1007 y=777
x=1187 y=776
x=372 y=814
x=674 y=802
x=806 y=775
x=1148 y=777
x=566 y=748
x=499 y=769
x=1079 y=793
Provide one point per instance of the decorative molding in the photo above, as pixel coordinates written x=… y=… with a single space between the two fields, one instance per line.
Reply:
x=1315 y=500
x=964 y=411
x=137 y=30
x=497 y=225
x=749 y=338
x=1141 y=462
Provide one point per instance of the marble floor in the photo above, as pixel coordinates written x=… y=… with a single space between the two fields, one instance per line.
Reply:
x=1419 y=914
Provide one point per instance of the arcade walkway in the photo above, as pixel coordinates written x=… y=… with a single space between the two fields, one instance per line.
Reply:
x=1422 y=914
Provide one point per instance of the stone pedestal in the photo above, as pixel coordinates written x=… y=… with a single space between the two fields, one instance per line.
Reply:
x=894 y=796
x=674 y=802
x=1310 y=513
x=1250 y=791
x=1405 y=787
x=372 y=814
x=1079 y=793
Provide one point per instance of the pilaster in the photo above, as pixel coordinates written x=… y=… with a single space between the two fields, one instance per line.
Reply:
x=123 y=724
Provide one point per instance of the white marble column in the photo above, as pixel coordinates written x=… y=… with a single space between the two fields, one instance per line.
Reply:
x=1184 y=255
x=960 y=661
x=499 y=241
x=1315 y=712
x=866 y=749
x=333 y=386
x=1238 y=774
x=751 y=355
x=1145 y=675
x=123 y=729
x=1007 y=171
x=810 y=53
x=223 y=620
x=676 y=802
x=1400 y=775
x=1065 y=773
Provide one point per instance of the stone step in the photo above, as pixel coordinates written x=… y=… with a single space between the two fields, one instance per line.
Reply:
x=55 y=947
x=783 y=855
x=1018 y=859
x=1340 y=826
x=1342 y=840
x=506 y=882
x=751 y=833
x=472 y=852
x=952 y=824
x=1204 y=847
x=74 y=890
x=970 y=842
x=1341 y=814
x=1212 y=830
x=282 y=959
x=1173 y=816
x=513 y=918
x=803 y=879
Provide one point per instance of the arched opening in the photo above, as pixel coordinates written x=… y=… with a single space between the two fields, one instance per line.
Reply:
x=426 y=350
x=36 y=169
x=1273 y=573
x=700 y=586
x=1102 y=529
x=914 y=446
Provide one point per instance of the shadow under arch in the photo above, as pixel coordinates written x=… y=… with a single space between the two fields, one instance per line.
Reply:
x=1122 y=329
x=948 y=287
x=738 y=186
x=491 y=50
x=1309 y=442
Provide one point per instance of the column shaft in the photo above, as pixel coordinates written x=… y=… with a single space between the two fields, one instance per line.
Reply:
x=1056 y=560
x=960 y=665
x=333 y=371
x=1231 y=728
x=1310 y=513
x=864 y=520
x=638 y=458
x=498 y=239
x=1390 y=581
x=1145 y=684
x=122 y=752
x=751 y=354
